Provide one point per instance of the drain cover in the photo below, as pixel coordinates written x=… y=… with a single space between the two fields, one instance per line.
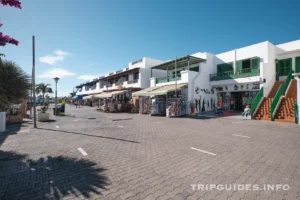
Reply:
x=91 y=117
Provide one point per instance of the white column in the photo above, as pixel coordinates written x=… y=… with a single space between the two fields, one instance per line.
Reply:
x=298 y=97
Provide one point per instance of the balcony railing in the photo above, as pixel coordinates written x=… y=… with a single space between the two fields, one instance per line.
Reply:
x=133 y=81
x=168 y=79
x=230 y=75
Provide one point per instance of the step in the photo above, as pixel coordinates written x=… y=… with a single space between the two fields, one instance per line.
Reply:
x=284 y=120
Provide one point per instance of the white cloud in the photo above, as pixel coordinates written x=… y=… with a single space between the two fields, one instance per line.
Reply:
x=87 y=77
x=54 y=58
x=56 y=72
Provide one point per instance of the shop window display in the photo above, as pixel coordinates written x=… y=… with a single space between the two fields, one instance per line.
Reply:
x=176 y=107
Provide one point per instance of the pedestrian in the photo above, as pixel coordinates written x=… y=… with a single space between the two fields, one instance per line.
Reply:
x=246 y=111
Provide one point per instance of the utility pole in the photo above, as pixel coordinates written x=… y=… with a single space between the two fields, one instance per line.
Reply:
x=176 y=77
x=33 y=81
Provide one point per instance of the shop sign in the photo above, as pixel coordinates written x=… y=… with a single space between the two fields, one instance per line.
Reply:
x=220 y=89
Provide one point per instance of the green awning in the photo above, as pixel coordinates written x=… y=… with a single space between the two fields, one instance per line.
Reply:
x=180 y=62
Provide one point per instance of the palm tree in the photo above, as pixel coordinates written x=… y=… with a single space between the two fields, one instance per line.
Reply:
x=14 y=84
x=43 y=88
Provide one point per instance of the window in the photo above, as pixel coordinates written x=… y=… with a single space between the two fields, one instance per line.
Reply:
x=178 y=73
x=136 y=76
x=246 y=64
x=284 y=67
x=195 y=69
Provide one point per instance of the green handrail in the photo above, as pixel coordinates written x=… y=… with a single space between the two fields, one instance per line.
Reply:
x=296 y=112
x=287 y=81
x=257 y=99
x=275 y=101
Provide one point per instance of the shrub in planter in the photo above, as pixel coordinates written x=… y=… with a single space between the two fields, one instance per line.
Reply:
x=43 y=116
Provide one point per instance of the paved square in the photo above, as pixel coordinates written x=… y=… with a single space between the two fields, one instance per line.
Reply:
x=92 y=155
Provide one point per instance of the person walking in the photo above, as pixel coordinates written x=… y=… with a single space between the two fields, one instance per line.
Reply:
x=246 y=111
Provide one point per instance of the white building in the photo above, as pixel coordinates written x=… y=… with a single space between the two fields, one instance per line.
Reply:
x=134 y=77
x=233 y=79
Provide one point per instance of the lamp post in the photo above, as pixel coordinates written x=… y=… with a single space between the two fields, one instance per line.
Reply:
x=56 y=80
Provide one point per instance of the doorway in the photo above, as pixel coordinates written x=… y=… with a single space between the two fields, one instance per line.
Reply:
x=236 y=101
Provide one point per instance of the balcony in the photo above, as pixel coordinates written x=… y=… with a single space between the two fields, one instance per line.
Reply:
x=244 y=73
x=168 y=79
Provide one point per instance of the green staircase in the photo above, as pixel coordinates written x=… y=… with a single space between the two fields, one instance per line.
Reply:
x=280 y=92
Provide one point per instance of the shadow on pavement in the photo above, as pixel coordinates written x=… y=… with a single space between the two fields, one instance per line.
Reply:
x=49 y=178
x=11 y=129
x=104 y=137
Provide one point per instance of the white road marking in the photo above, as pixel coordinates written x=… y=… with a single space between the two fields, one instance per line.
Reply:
x=121 y=126
x=240 y=136
x=75 y=120
x=57 y=126
x=109 y=117
x=203 y=151
x=236 y=122
x=160 y=122
x=82 y=151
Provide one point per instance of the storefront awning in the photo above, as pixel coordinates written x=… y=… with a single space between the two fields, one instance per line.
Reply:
x=109 y=94
x=165 y=89
x=87 y=97
x=145 y=91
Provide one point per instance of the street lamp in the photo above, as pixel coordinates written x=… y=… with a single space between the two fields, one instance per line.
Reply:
x=56 y=80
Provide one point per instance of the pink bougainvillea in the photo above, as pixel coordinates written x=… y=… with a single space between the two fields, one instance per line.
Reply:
x=4 y=39
x=12 y=3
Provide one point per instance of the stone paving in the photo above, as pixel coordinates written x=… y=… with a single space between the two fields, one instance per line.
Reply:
x=132 y=156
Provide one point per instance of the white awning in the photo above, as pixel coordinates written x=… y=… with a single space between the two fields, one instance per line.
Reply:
x=145 y=91
x=109 y=94
x=87 y=97
x=167 y=88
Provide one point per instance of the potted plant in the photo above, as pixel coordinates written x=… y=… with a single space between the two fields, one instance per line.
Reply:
x=43 y=116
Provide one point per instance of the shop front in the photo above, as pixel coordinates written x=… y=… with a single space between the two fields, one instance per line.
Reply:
x=169 y=100
x=235 y=97
x=115 y=101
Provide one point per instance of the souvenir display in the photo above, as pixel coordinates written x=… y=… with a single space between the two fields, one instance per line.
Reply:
x=176 y=107
x=145 y=105
x=159 y=106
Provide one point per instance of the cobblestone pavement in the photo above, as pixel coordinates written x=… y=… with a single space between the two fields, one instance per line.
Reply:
x=92 y=155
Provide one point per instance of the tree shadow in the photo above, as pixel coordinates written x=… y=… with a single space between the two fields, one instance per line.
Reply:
x=84 y=134
x=49 y=178
x=11 y=129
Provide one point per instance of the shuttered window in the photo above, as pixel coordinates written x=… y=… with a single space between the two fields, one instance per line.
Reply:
x=284 y=66
x=255 y=62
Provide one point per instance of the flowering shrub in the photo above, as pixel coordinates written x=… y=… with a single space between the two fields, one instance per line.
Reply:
x=12 y=3
x=5 y=39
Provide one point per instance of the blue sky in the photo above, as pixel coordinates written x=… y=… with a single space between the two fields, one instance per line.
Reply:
x=78 y=39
